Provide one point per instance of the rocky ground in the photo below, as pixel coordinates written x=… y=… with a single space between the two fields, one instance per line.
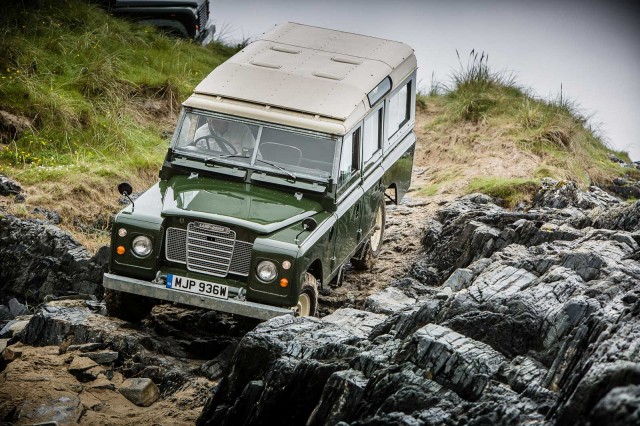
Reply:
x=473 y=314
x=525 y=317
x=492 y=316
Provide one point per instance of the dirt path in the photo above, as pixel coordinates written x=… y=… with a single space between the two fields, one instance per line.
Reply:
x=403 y=231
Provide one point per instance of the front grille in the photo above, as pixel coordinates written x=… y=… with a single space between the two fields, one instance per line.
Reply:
x=241 y=260
x=175 y=248
x=208 y=249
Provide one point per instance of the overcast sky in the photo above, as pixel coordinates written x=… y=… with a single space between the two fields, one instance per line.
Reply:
x=590 y=47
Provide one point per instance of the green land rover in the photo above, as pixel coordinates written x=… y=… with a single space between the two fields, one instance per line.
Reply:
x=278 y=174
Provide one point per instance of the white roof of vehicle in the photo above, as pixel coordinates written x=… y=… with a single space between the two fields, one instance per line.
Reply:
x=311 y=70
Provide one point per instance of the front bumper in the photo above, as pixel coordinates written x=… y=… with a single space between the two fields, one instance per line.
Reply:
x=158 y=291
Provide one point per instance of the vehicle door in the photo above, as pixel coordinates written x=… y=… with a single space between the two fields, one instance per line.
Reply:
x=347 y=228
x=372 y=171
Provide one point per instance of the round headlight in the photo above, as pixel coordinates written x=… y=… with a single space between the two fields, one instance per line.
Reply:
x=267 y=271
x=141 y=246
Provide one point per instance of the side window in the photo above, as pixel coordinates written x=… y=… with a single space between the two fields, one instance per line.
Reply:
x=399 y=109
x=349 y=158
x=372 y=140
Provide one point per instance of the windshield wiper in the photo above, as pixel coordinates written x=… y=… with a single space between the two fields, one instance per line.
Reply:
x=279 y=168
x=210 y=161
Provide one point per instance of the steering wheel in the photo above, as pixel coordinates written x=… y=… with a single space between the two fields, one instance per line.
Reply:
x=224 y=145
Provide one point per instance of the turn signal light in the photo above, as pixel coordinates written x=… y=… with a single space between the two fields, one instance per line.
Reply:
x=120 y=250
x=284 y=282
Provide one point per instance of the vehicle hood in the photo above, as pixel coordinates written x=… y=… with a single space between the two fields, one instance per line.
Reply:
x=261 y=209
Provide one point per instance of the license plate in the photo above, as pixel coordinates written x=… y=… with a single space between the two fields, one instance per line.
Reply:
x=197 y=286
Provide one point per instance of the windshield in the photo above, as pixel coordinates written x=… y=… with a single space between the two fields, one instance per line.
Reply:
x=261 y=146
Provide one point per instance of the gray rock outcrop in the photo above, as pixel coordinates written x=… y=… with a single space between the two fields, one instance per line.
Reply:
x=45 y=260
x=508 y=318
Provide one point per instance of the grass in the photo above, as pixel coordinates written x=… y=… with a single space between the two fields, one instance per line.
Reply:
x=512 y=190
x=102 y=95
x=506 y=117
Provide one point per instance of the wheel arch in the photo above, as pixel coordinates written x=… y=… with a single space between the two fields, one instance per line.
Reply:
x=315 y=268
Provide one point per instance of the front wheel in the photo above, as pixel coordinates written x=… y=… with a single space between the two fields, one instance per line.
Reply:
x=308 y=300
x=366 y=256
x=127 y=306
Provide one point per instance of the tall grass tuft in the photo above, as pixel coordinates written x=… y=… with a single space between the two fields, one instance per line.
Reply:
x=475 y=89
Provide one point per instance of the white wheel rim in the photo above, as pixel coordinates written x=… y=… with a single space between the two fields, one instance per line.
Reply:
x=304 y=305
x=377 y=234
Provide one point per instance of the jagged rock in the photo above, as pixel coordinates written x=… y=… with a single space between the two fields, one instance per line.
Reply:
x=8 y=187
x=5 y=313
x=14 y=327
x=85 y=369
x=340 y=399
x=102 y=357
x=452 y=359
x=217 y=367
x=17 y=308
x=45 y=260
x=9 y=353
x=86 y=347
x=140 y=391
x=64 y=409
x=51 y=216
x=388 y=301
x=564 y=194
x=102 y=383
x=619 y=407
x=509 y=317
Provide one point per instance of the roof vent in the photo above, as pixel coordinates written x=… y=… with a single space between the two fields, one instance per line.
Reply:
x=285 y=49
x=347 y=60
x=265 y=64
x=327 y=75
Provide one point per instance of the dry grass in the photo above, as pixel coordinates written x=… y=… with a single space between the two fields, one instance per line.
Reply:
x=485 y=132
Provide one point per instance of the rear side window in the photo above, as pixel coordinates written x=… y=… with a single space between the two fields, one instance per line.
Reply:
x=399 y=109
x=349 y=158
x=372 y=141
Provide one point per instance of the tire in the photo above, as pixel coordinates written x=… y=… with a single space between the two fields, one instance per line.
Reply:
x=308 y=300
x=126 y=306
x=366 y=257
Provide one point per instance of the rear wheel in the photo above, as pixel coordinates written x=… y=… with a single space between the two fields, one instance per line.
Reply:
x=366 y=256
x=308 y=300
x=127 y=306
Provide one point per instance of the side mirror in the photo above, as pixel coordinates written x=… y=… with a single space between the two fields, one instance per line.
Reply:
x=309 y=224
x=125 y=189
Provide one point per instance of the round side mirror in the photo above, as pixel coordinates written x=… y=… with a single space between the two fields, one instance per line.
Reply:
x=309 y=224
x=125 y=188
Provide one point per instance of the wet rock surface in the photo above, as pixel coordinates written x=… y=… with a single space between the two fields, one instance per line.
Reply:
x=46 y=261
x=509 y=317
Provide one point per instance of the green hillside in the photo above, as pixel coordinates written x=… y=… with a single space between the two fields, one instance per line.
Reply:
x=101 y=94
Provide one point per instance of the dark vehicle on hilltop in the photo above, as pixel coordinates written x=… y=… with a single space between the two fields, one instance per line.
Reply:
x=185 y=18
x=278 y=175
